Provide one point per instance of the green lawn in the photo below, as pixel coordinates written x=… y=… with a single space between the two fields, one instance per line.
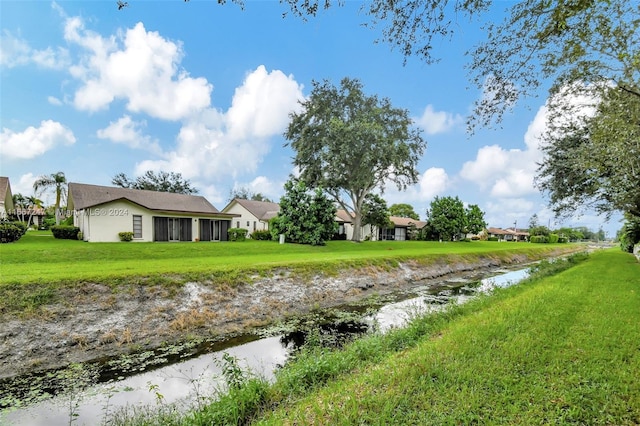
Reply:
x=39 y=258
x=565 y=350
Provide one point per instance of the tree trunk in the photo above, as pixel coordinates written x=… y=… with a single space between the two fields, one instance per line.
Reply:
x=357 y=227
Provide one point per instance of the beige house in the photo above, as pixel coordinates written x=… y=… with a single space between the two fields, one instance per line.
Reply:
x=345 y=227
x=508 y=234
x=6 y=198
x=251 y=215
x=401 y=230
x=101 y=212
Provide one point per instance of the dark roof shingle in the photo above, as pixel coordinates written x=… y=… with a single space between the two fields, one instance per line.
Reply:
x=82 y=196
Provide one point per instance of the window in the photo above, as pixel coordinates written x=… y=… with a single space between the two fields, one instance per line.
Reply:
x=247 y=224
x=254 y=225
x=137 y=226
x=237 y=224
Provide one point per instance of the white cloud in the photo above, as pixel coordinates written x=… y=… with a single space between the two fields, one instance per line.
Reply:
x=503 y=213
x=508 y=173
x=54 y=101
x=24 y=185
x=258 y=105
x=434 y=122
x=214 y=144
x=33 y=141
x=433 y=182
x=139 y=66
x=15 y=52
x=128 y=132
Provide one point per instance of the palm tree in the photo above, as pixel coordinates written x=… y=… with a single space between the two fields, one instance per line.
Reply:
x=56 y=181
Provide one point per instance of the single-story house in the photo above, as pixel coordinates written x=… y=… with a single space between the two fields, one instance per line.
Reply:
x=345 y=227
x=508 y=234
x=251 y=215
x=101 y=212
x=31 y=215
x=6 y=198
x=402 y=228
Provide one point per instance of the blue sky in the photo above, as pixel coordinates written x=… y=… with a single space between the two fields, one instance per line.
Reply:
x=205 y=90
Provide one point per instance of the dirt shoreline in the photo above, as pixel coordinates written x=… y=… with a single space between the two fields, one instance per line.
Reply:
x=94 y=321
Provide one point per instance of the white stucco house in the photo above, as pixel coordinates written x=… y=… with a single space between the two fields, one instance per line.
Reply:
x=251 y=215
x=101 y=212
x=401 y=228
x=6 y=198
x=345 y=227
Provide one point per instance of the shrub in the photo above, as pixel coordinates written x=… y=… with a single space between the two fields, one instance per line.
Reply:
x=63 y=232
x=68 y=221
x=237 y=234
x=125 y=236
x=563 y=240
x=553 y=238
x=22 y=226
x=493 y=239
x=261 y=235
x=541 y=239
x=10 y=232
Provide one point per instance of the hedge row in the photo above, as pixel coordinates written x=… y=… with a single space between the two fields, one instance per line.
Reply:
x=64 y=232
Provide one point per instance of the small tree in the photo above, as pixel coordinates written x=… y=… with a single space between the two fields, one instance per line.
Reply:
x=374 y=212
x=475 y=219
x=403 y=210
x=447 y=217
x=305 y=217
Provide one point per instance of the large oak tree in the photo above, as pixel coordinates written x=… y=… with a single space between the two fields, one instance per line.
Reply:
x=349 y=143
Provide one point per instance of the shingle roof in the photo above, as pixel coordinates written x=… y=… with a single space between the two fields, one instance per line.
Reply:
x=263 y=210
x=5 y=193
x=343 y=216
x=82 y=196
x=406 y=221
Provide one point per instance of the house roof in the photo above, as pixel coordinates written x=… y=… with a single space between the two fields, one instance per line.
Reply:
x=83 y=196
x=508 y=231
x=406 y=222
x=263 y=210
x=6 y=197
x=343 y=216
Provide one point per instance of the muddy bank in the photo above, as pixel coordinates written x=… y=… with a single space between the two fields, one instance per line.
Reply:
x=92 y=320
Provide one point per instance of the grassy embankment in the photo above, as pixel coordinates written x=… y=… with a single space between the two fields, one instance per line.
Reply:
x=35 y=267
x=564 y=349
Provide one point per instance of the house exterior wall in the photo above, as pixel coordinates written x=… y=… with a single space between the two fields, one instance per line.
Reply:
x=103 y=223
x=246 y=219
x=365 y=231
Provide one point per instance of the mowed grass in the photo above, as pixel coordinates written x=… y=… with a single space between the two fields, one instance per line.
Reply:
x=563 y=350
x=39 y=258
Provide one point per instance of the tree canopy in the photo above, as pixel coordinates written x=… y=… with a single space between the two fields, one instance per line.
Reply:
x=403 y=210
x=447 y=217
x=349 y=144
x=162 y=182
x=375 y=212
x=475 y=219
x=244 y=193
x=305 y=217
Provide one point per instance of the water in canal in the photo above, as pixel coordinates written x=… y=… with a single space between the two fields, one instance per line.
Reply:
x=183 y=382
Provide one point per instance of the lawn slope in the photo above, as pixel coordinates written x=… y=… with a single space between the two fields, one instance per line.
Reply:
x=562 y=350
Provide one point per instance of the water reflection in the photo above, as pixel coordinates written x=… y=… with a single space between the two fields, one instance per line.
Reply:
x=184 y=382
